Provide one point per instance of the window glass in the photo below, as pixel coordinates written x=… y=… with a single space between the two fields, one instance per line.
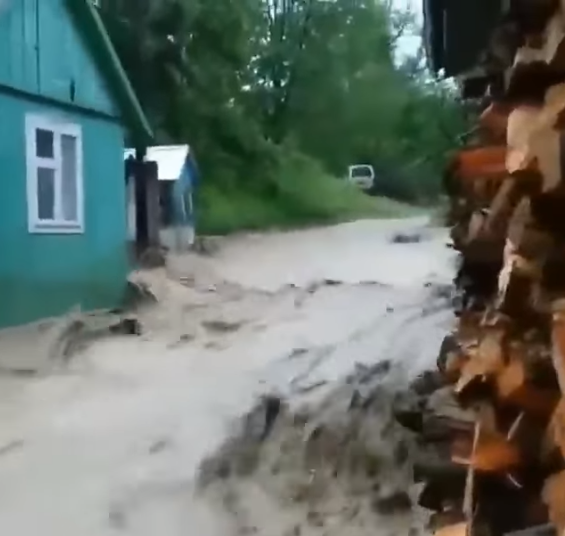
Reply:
x=69 y=193
x=44 y=146
x=45 y=193
x=361 y=171
x=53 y=162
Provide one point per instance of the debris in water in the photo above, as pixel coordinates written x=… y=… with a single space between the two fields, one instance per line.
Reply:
x=309 y=388
x=11 y=446
x=117 y=518
x=137 y=294
x=159 y=446
x=298 y=352
x=126 y=326
x=221 y=326
x=259 y=422
x=427 y=383
x=153 y=257
x=206 y=245
x=407 y=238
x=343 y=460
x=332 y=282
x=393 y=502
x=185 y=338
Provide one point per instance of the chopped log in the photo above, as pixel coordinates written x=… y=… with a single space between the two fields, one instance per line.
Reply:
x=454 y=365
x=435 y=416
x=428 y=382
x=558 y=342
x=436 y=428
x=448 y=351
x=481 y=251
x=476 y=228
x=529 y=81
x=555 y=434
x=547 y=210
x=434 y=468
x=531 y=243
x=432 y=428
x=508 y=510
x=494 y=119
x=514 y=387
x=469 y=491
x=532 y=136
x=439 y=520
x=546 y=529
x=459 y=529
x=554 y=497
x=444 y=416
x=487 y=360
x=494 y=454
x=487 y=449
x=488 y=161
x=552 y=280
x=501 y=208
x=516 y=282
x=411 y=418
x=469 y=327
x=440 y=492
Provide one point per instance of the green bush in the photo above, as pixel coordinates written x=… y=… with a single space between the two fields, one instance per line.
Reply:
x=298 y=193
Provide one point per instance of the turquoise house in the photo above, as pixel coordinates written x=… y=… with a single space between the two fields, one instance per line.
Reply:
x=66 y=108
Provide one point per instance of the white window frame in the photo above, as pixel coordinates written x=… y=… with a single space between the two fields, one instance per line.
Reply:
x=57 y=225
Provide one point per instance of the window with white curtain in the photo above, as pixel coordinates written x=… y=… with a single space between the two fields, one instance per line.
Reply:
x=54 y=176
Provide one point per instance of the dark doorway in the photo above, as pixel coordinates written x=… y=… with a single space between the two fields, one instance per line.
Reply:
x=143 y=205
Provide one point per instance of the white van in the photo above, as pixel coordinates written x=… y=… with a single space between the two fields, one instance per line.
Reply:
x=362 y=175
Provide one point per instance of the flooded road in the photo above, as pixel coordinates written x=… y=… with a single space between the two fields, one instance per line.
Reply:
x=111 y=443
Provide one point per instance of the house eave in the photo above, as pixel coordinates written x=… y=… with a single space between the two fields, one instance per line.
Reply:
x=59 y=104
x=92 y=26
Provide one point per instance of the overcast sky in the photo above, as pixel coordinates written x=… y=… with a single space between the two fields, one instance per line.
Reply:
x=408 y=45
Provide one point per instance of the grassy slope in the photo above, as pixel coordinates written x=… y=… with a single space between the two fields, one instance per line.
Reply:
x=303 y=196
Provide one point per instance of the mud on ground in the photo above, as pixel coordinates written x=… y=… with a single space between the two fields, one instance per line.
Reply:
x=338 y=467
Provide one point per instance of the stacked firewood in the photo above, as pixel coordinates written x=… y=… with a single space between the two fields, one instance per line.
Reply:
x=492 y=424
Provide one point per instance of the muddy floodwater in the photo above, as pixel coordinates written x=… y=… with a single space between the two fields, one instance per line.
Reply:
x=166 y=433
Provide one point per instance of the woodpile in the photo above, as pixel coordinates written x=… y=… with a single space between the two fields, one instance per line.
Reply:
x=492 y=425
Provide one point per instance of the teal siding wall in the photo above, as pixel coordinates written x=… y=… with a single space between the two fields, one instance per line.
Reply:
x=19 y=40
x=44 y=275
x=43 y=53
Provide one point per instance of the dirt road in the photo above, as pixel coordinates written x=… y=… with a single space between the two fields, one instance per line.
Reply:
x=110 y=443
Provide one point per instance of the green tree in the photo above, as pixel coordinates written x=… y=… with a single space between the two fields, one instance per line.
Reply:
x=247 y=83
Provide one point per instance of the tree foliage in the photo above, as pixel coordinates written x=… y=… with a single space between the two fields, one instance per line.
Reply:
x=248 y=82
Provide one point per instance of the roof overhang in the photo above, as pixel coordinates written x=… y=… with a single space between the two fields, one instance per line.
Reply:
x=170 y=159
x=457 y=33
x=92 y=27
